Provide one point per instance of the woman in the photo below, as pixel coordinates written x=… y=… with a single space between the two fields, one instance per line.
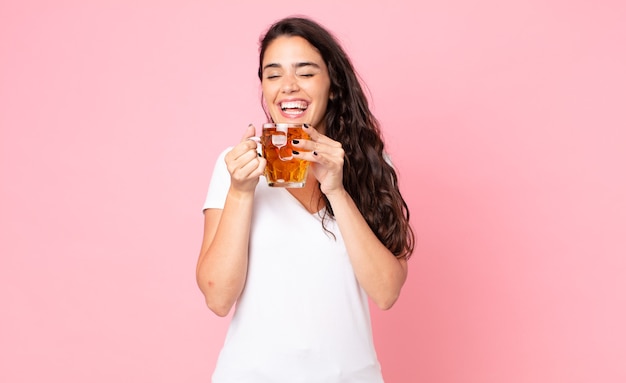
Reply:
x=301 y=263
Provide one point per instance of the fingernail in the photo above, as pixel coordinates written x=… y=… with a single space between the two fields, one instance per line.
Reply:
x=258 y=154
x=295 y=152
x=315 y=153
x=295 y=141
x=306 y=126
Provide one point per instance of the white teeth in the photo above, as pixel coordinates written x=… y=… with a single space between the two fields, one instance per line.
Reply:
x=293 y=112
x=293 y=105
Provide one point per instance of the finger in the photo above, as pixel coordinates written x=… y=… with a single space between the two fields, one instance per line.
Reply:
x=319 y=137
x=246 y=158
x=250 y=132
x=256 y=167
x=252 y=141
x=246 y=166
x=328 y=160
x=261 y=167
x=239 y=157
x=241 y=153
x=246 y=144
x=318 y=147
x=248 y=170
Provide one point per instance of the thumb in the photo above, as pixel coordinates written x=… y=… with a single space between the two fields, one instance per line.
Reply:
x=250 y=132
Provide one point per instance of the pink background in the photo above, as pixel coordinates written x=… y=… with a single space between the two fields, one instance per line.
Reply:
x=506 y=119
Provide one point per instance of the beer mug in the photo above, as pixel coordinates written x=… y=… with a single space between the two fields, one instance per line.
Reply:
x=282 y=169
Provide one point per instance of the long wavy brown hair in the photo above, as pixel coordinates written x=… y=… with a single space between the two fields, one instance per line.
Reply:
x=368 y=177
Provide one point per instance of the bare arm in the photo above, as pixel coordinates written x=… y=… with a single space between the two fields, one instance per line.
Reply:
x=223 y=262
x=378 y=270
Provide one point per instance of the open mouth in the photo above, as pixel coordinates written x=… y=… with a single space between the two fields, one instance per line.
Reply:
x=294 y=108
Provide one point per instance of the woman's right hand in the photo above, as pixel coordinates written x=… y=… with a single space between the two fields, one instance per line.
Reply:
x=244 y=164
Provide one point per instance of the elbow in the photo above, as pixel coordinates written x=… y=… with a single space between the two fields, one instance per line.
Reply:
x=221 y=309
x=215 y=301
x=388 y=291
x=387 y=302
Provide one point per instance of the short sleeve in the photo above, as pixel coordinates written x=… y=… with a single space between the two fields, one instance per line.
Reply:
x=220 y=182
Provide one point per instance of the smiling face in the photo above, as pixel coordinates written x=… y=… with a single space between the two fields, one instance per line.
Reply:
x=295 y=82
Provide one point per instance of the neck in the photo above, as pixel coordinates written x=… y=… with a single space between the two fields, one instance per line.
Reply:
x=309 y=195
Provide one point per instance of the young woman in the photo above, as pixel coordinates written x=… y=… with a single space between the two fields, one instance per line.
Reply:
x=301 y=264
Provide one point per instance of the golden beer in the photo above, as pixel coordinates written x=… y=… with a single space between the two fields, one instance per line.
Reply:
x=282 y=169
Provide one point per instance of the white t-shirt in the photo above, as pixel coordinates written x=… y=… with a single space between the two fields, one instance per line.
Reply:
x=302 y=316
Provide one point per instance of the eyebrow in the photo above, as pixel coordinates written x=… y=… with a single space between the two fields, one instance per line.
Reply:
x=297 y=65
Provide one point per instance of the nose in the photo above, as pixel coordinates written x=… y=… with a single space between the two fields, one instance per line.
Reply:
x=290 y=84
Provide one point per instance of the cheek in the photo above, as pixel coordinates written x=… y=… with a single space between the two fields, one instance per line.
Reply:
x=267 y=97
x=269 y=91
x=323 y=96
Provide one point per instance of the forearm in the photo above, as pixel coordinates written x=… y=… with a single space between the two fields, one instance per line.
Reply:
x=223 y=263
x=378 y=271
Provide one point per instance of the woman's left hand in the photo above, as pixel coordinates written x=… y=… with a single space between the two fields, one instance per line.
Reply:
x=326 y=157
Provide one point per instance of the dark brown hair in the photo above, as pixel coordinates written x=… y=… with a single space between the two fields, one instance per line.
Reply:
x=368 y=177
